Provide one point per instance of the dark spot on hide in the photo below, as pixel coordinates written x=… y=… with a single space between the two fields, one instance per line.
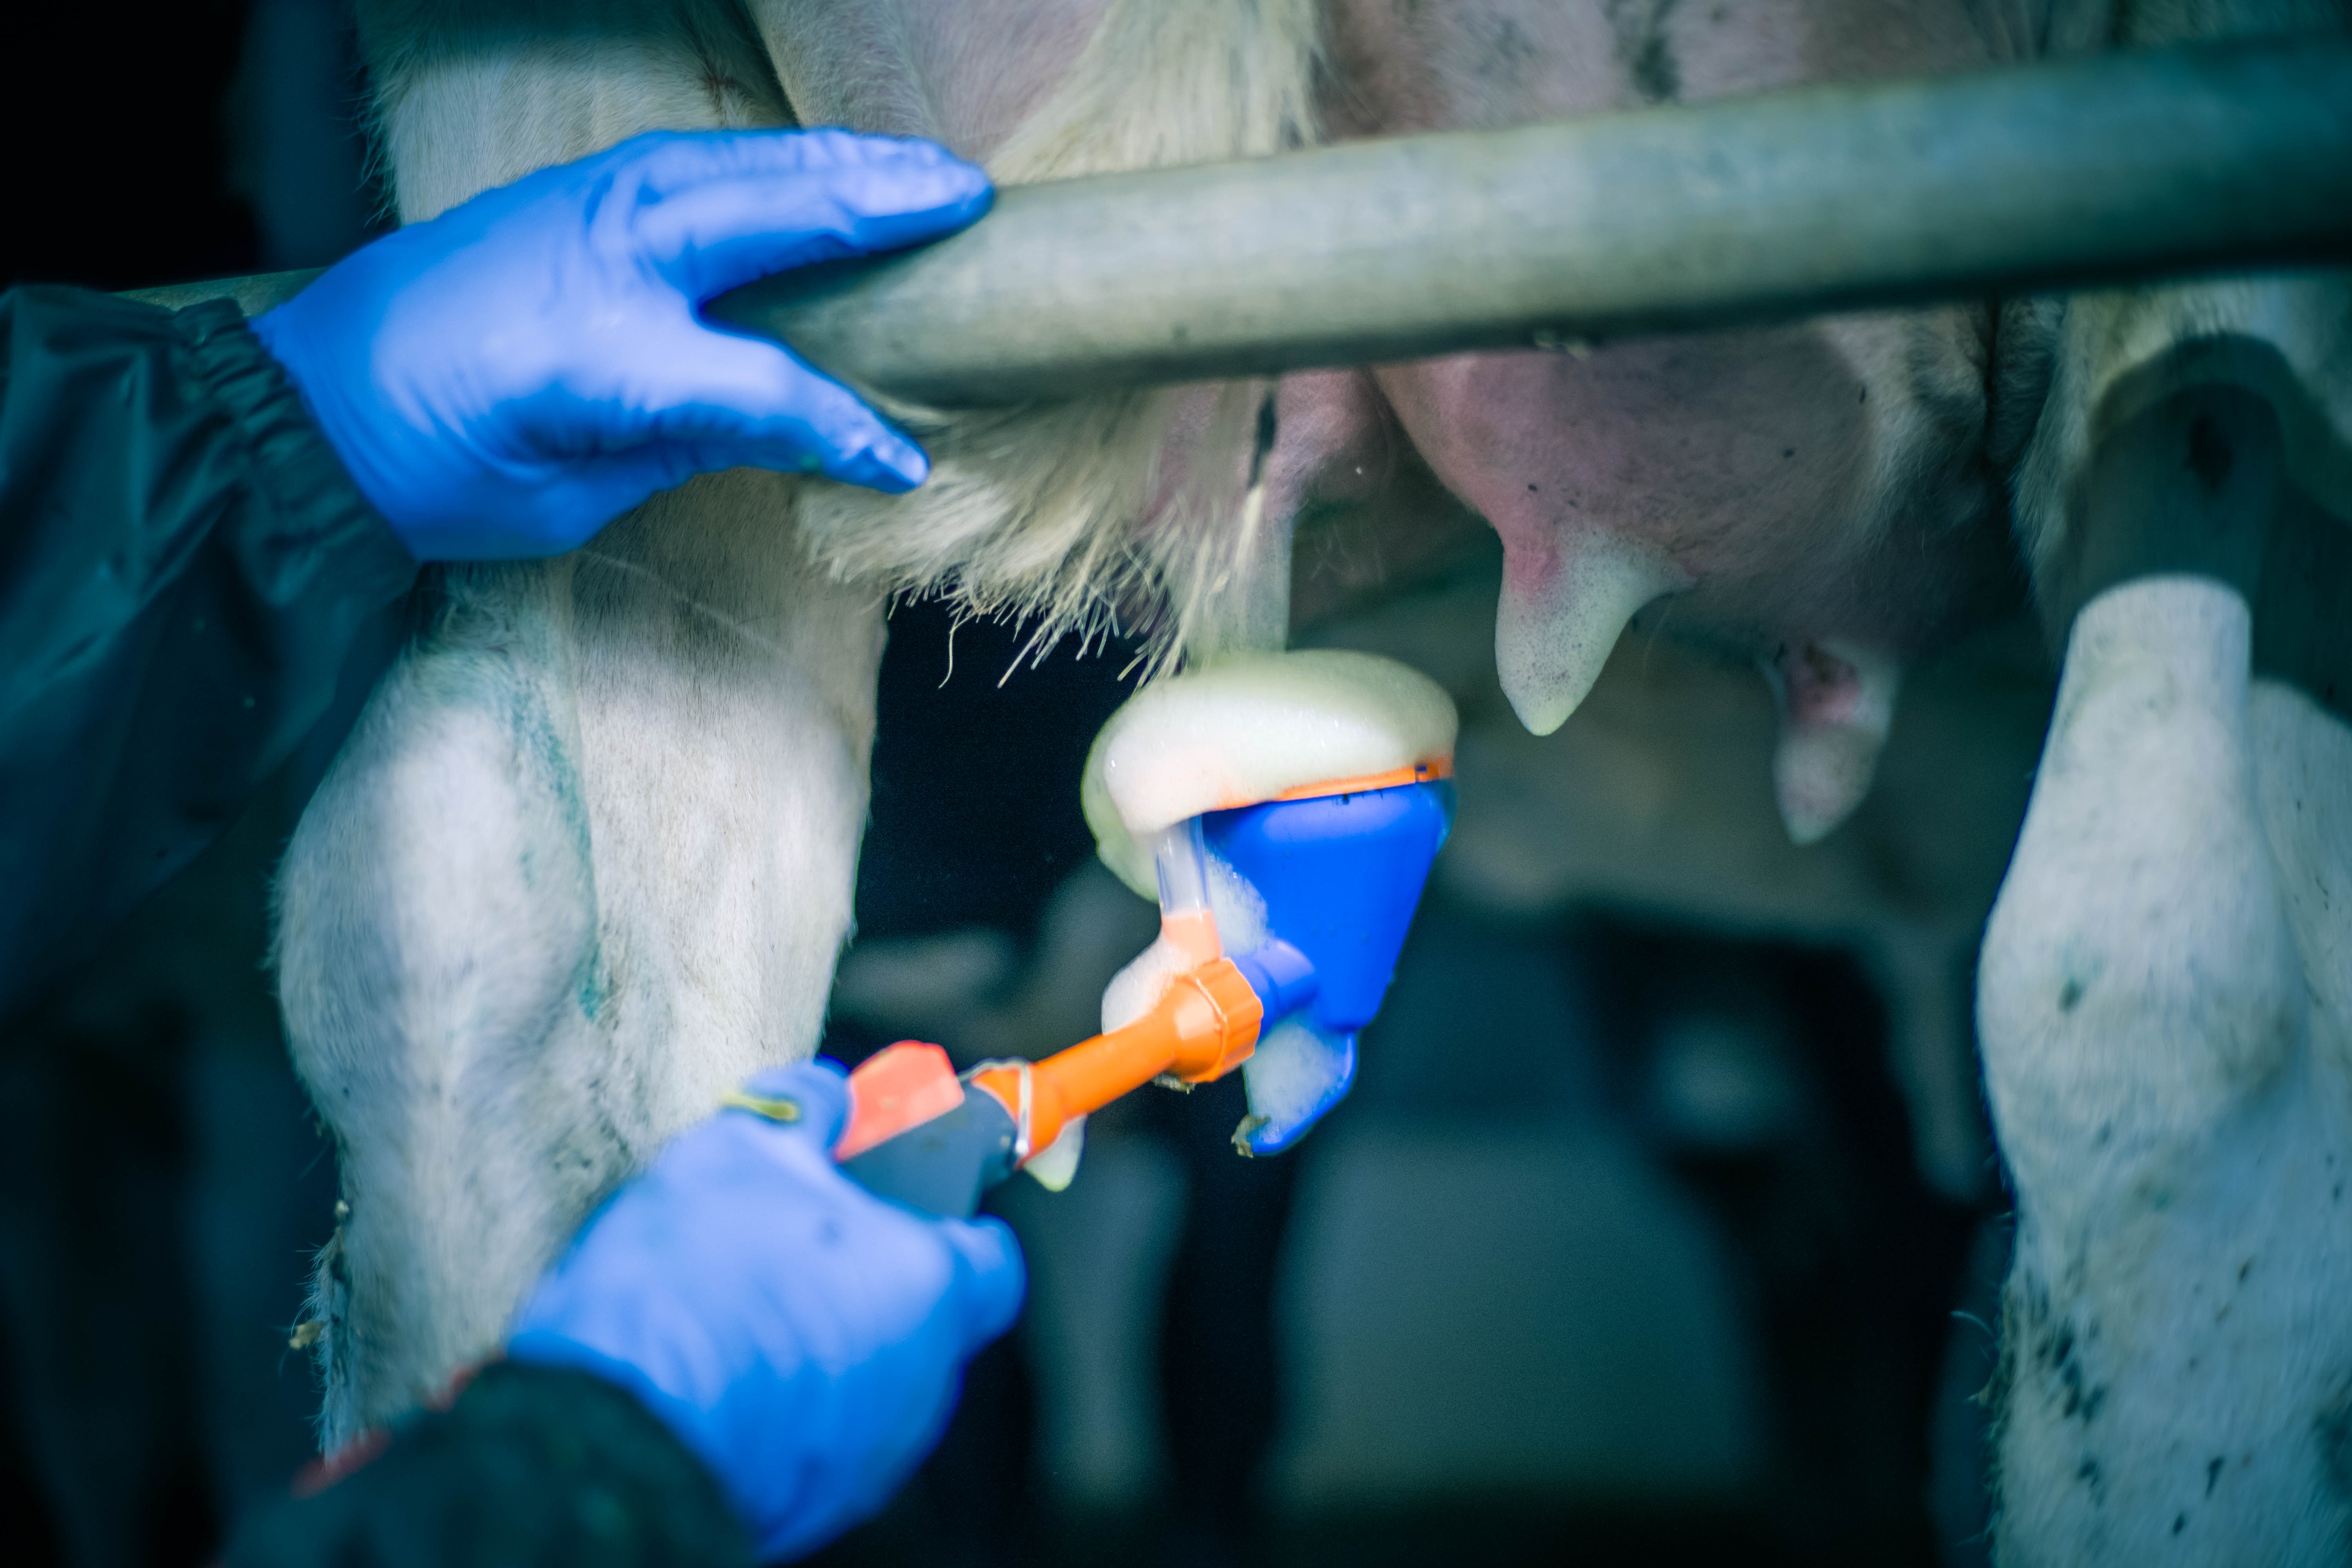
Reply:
x=2332 y=1430
x=1264 y=445
x=2213 y=1473
x=1655 y=71
x=2245 y=1268
x=2208 y=452
x=594 y=989
x=1866 y=395
x=2082 y=1401
x=1532 y=490
x=1788 y=452
x=1643 y=48
x=2179 y=1522
x=2068 y=995
x=2057 y=1354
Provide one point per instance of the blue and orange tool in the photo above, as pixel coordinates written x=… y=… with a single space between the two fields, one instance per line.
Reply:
x=1340 y=867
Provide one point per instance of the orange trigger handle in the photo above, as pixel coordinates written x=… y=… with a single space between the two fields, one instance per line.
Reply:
x=1204 y=1026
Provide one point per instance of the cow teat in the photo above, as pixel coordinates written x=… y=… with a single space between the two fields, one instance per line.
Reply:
x=1564 y=602
x=1837 y=703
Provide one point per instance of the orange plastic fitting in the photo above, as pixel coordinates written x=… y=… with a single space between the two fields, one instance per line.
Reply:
x=1193 y=933
x=1427 y=771
x=1201 y=1028
x=894 y=1089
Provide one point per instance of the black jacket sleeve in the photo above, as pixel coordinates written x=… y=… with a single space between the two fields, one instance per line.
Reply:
x=183 y=564
x=531 y=1465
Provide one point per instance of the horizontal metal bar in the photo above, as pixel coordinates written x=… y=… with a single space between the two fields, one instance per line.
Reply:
x=2112 y=168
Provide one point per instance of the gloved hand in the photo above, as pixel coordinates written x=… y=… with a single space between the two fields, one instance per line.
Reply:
x=509 y=377
x=802 y=1336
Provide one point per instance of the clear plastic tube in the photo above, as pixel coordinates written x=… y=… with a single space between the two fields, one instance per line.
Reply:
x=1181 y=857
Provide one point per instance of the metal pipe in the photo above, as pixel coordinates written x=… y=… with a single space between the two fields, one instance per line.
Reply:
x=2102 y=170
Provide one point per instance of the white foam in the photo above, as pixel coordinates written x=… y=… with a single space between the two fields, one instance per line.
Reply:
x=1247 y=729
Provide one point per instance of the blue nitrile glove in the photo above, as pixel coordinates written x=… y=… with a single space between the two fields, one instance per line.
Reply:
x=804 y=1337
x=508 y=378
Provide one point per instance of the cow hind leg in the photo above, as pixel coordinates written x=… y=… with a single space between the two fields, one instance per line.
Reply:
x=2169 y=1093
x=2165 y=989
x=438 y=965
x=448 y=971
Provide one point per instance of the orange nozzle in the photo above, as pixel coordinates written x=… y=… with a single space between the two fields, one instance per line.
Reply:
x=1201 y=1028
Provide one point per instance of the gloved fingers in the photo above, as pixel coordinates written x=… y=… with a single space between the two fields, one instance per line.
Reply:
x=817 y=1091
x=991 y=1278
x=718 y=211
x=741 y=402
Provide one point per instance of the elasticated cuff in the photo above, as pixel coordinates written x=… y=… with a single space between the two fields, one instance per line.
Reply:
x=292 y=461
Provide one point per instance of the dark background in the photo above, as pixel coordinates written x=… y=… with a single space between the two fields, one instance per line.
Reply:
x=161 y=1183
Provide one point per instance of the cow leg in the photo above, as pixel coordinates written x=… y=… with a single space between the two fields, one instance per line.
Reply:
x=587 y=857
x=436 y=932
x=2168 y=1084
x=586 y=861
x=2164 y=989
